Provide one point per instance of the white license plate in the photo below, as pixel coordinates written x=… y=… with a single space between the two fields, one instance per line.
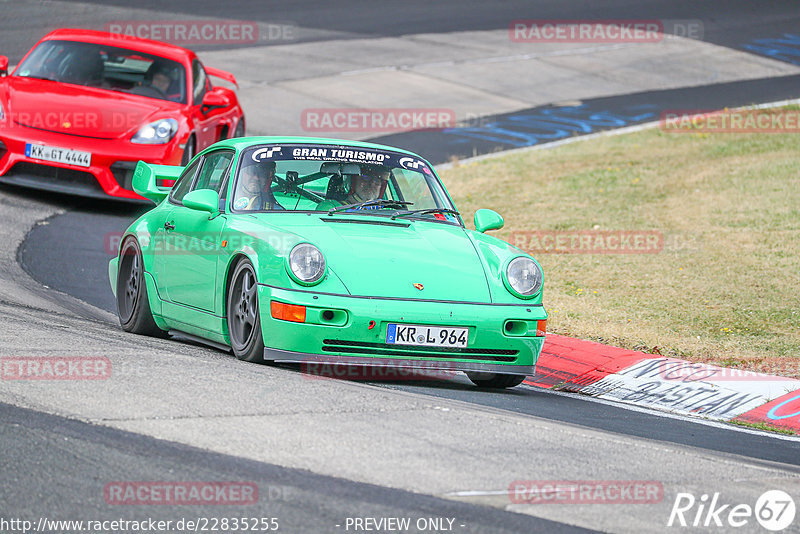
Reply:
x=429 y=336
x=58 y=155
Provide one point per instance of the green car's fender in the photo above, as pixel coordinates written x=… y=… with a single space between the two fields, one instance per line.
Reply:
x=267 y=247
x=495 y=254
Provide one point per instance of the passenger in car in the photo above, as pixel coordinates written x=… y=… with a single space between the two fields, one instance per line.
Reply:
x=370 y=184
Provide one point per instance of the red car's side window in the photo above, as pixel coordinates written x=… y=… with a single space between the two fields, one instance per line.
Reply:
x=199 y=82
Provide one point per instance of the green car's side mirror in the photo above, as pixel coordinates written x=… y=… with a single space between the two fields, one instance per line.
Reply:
x=486 y=220
x=202 y=200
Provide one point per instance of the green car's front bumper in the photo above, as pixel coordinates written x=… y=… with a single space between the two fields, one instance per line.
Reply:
x=352 y=330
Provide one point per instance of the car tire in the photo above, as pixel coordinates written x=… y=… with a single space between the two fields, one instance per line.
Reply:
x=239 y=132
x=244 y=322
x=133 y=305
x=495 y=380
x=188 y=152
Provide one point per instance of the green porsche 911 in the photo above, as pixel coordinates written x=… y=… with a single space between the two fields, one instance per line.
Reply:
x=308 y=250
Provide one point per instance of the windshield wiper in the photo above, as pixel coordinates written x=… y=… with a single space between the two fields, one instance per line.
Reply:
x=425 y=212
x=381 y=203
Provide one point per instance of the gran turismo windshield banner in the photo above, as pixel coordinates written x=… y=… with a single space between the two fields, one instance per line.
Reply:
x=341 y=154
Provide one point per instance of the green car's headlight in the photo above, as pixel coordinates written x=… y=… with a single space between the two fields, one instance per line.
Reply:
x=306 y=264
x=523 y=277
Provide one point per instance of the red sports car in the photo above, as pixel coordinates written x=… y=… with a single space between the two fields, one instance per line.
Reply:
x=83 y=107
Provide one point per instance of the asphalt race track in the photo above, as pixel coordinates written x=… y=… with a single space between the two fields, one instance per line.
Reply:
x=294 y=496
x=42 y=250
x=323 y=451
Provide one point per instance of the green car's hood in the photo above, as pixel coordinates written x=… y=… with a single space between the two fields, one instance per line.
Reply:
x=386 y=260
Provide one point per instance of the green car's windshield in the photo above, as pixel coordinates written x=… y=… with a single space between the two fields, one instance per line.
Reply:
x=339 y=180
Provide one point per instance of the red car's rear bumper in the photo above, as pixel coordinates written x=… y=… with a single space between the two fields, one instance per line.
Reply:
x=109 y=174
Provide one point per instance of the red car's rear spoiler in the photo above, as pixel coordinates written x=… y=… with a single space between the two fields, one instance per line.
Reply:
x=227 y=76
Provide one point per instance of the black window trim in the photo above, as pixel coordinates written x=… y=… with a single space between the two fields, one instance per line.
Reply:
x=171 y=198
x=200 y=164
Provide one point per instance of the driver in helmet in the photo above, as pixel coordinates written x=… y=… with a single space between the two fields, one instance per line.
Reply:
x=159 y=77
x=370 y=184
x=254 y=191
x=161 y=80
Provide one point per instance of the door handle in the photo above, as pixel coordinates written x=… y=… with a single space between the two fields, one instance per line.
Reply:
x=169 y=226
